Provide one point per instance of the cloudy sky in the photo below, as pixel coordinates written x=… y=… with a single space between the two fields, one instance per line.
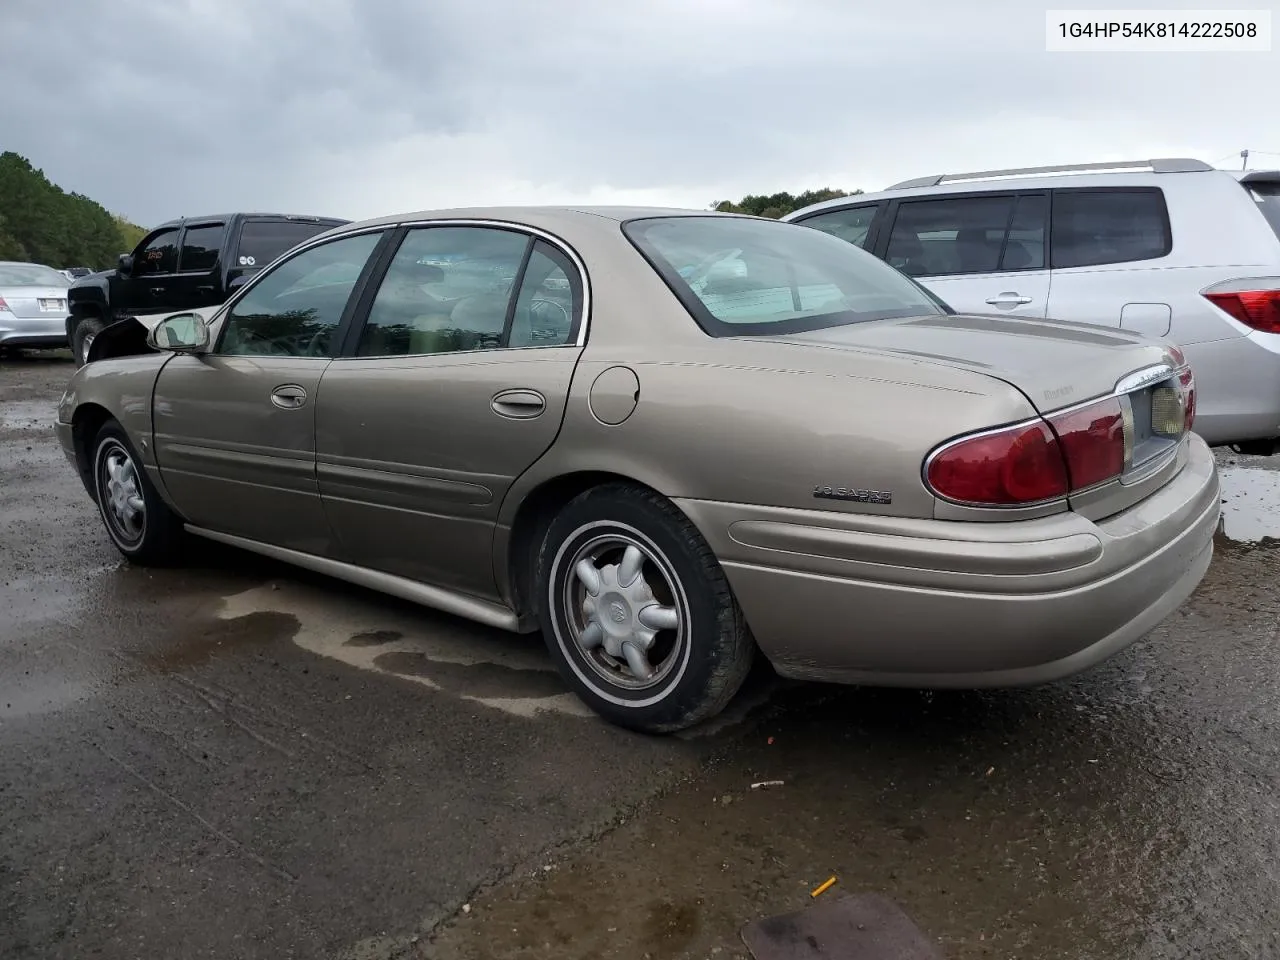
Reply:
x=356 y=108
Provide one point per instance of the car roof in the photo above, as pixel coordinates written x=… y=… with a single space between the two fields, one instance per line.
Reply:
x=549 y=218
x=1130 y=173
x=224 y=217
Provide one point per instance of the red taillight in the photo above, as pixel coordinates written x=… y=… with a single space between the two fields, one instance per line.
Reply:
x=1020 y=465
x=1092 y=441
x=1259 y=309
x=1033 y=462
x=3 y=305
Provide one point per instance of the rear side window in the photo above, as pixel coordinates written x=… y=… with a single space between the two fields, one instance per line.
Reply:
x=1096 y=227
x=851 y=224
x=200 y=246
x=1267 y=196
x=261 y=241
x=956 y=235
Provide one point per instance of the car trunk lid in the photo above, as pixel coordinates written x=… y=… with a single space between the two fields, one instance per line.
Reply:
x=33 y=302
x=1056 y=366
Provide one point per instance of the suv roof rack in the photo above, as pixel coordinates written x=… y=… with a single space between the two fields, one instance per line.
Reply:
x=1164 y=165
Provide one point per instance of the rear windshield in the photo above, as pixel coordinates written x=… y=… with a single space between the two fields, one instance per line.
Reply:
x=30 y=275
x=1267 y=196
x=743 y=277
x=261 y=241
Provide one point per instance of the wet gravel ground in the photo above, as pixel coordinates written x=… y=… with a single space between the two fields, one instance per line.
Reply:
x=239 y=760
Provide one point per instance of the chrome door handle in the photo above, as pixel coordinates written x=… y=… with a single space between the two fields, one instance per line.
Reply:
x=289 y=397
x=1008 y=299
x=519 y=404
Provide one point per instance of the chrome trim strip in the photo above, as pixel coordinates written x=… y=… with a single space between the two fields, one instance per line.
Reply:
x=472 y=608
x=1146 y=377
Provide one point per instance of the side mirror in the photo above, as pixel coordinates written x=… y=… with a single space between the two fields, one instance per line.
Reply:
x=181 y=333
x=124 y=265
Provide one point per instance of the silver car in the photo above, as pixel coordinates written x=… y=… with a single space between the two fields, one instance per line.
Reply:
x=33 y=306
x=676 y=440
x=1168 y=248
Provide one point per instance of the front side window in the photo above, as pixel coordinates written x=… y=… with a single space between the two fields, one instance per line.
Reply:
x=741 y=277
x=158 y=255
x=1096 y=227
x=447 y=289
x=200 y=248
x=295 y=309
x=851 y=224
x=956 y=235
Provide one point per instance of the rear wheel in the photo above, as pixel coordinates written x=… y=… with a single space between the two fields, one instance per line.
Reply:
x=637 y=612
x=82 y=336
x=140 y=524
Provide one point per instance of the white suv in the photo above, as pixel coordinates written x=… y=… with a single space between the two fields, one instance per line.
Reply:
x=1168 y=248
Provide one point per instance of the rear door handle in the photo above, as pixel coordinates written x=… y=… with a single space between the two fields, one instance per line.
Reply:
x=290 y=396
x=1009 y=299
x=519 y=404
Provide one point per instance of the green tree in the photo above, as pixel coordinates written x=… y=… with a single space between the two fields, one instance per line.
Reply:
x=776 y=205
x=45 y=224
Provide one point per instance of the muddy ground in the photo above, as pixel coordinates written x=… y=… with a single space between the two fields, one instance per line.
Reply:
x=239 y=760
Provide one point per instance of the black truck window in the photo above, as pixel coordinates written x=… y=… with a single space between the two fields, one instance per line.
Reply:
x=200 y=248
x=159 y=255
x=261 y=241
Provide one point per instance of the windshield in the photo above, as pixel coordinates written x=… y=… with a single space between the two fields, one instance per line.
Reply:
x=30 y=275
x=741 y=277
x=1267 y=196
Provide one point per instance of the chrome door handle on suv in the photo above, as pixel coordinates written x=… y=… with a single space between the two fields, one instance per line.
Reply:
x=1009 y=298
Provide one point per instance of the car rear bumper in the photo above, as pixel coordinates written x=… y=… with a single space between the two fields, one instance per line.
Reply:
x=894 y=602
x=35 y=332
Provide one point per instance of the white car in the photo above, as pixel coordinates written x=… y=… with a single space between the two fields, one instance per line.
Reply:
x=1169 y=248
x=33 y=306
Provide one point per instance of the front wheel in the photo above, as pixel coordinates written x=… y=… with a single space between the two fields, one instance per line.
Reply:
x=82 y=337
x=637 y=612
x=139 y=522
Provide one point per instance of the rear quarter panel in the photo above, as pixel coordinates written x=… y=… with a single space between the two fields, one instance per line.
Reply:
x=750 y=422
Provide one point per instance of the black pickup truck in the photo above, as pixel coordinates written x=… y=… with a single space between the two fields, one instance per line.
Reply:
x=185 y=264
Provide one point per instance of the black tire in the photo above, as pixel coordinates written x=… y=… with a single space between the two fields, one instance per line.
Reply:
x=697 y=666
x=156 y=539
x=85 y=329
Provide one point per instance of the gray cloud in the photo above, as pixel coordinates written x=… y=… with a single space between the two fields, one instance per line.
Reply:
x=362 y=107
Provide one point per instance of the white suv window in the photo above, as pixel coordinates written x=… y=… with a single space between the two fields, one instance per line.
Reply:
x=1095 y=227
x=852 y=224
x=968 y=235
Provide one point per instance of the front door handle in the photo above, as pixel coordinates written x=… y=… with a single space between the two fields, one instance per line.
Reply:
x=519 y=404
x=157 y=291
x=290 y=396
x=1009 y=298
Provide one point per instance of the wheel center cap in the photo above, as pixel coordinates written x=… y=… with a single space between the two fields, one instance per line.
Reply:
x=617 y=613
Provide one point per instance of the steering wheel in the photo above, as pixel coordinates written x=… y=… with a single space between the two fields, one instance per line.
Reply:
x=536 y=310
x=276 y=346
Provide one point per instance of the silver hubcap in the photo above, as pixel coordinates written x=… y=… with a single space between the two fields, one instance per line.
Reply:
x=85 y=344
x=122 y=496
x=624 y=612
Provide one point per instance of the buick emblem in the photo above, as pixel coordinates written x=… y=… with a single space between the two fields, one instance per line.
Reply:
x=618 y=612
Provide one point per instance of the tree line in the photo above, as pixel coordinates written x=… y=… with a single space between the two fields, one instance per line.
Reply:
x=42 y=223
x=776 y=205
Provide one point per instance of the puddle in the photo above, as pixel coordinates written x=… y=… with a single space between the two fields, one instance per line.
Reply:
x=498 y=670
x=1251 y=504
